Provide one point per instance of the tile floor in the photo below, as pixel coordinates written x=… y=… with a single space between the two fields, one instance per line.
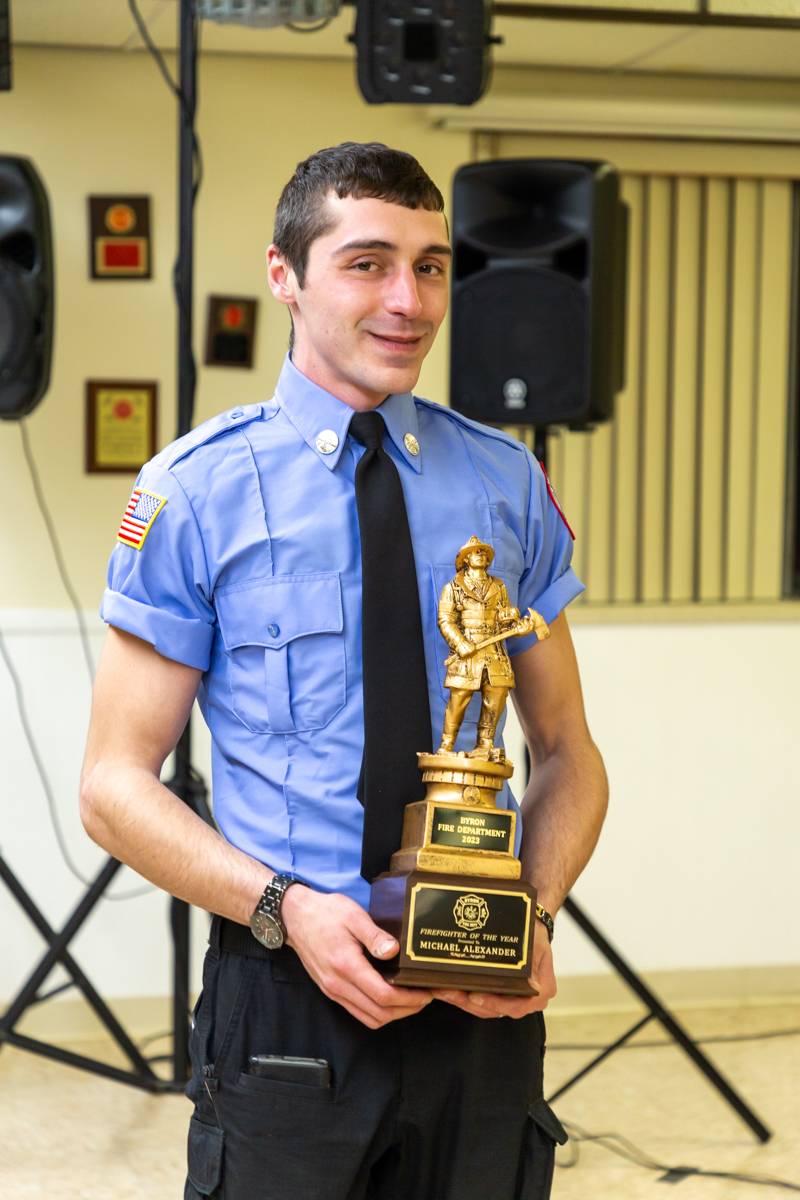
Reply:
x=66 y=1135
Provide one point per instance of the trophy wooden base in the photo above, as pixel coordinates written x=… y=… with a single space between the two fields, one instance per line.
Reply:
x=468 y=931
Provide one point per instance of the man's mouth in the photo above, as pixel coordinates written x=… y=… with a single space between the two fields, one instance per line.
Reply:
x=400 y=343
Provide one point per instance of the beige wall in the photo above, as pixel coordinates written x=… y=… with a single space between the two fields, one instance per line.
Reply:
x=97 y=122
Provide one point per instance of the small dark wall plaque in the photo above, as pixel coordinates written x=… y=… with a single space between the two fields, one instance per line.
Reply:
x=119 y=237
x=230 y=331
x=120 y=425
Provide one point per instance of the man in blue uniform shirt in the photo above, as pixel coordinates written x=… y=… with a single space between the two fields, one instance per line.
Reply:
x=237 y=579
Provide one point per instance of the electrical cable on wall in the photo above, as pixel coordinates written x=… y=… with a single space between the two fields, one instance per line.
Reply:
x=38 y=492
x=19 y=692
x=197 y=155
x=45 y=782
x=144 y=33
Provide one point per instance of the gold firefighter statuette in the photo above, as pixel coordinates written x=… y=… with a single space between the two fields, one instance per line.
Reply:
x=475 y=619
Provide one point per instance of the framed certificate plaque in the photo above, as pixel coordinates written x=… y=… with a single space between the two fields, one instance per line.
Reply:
x=120 y=425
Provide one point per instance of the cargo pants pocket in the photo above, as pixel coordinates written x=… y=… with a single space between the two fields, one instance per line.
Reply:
x=206 y=1144
x=544 y=1131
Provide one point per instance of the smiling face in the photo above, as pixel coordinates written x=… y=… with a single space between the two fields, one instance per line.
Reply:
x=374 y=295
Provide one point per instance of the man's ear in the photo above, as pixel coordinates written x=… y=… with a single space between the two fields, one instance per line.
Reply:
x=280 y=277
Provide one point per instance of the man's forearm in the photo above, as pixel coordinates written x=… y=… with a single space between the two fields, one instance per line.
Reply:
x=562 y=814
x=127 y=811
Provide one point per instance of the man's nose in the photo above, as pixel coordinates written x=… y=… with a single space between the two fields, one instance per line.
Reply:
x=403 y=294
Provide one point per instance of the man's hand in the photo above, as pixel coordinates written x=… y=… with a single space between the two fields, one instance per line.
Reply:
x=490 y=1004
x=330 y=933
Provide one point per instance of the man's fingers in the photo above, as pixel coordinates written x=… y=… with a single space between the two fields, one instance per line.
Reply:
x=490 y=1005
x=372 y=984
x=369 y=1012
x=349 y=978
x=379 y=943
x=331 y=934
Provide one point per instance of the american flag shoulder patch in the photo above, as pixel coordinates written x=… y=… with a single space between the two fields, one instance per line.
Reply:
x=137 y=521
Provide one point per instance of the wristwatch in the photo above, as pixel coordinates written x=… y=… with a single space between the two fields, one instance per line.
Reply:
x=547 y=921
x=266 y=925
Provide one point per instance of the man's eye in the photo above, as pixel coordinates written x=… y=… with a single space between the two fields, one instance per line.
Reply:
x=431 y=269
x=364 y=266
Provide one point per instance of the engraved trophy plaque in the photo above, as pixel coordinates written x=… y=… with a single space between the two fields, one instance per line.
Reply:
x=453 y=896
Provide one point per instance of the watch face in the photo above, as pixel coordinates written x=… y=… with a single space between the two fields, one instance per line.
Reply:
x=267 y=930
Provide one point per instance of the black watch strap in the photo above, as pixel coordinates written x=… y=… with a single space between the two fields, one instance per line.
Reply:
x=272 y=897
x=547 y=921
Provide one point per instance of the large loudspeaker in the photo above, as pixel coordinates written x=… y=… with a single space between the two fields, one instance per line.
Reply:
x=432 y=53
x=538 y=310
x=26 y=288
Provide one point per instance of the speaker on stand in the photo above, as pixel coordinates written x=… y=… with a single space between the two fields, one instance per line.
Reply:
x=538 y=307
x=26 y=288
x=538 y=339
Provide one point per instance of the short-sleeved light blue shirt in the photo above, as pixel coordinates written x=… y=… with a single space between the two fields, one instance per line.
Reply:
x=251 y=571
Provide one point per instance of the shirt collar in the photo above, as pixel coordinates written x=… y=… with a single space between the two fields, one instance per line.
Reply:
x=400 y=414
x=315 y=412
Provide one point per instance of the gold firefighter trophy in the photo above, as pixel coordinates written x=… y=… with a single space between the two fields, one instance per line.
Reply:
x=453 y=896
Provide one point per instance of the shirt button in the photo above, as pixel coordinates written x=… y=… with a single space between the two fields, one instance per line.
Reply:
x=327 y=441
x=411 y=444
x=273 y=630
x=236 y=413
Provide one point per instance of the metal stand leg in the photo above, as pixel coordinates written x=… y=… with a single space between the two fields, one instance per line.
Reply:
x=657 y=1011
x=142 y=1074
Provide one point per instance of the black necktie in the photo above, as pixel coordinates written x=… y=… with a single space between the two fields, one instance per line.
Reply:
x=397 y=719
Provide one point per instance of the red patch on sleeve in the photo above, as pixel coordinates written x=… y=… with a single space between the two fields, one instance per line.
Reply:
x=552 y=494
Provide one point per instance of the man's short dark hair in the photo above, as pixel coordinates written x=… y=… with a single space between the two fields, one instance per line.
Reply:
x=363 y=170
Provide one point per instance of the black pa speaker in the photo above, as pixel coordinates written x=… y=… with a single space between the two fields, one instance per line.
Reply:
x=26 y=288
x=538 y=306
x=432 y=53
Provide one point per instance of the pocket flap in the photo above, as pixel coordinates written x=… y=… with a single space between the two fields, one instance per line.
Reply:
x=272 y=612
x=541 y=1112
x=205 y=1156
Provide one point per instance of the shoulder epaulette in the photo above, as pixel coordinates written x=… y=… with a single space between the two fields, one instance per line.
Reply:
x=214 y=427
x=475 y=426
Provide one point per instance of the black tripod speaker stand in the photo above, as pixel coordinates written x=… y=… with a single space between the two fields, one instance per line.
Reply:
x=185 y=782
x=656 y=1009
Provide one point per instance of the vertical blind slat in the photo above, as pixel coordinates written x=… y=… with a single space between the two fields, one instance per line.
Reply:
x=683 y=400
x=713 y=384
x=625 y=426
x=571 y=492
x=771 y=408
x=741 y=353
x=598 y=529
x=654 y=394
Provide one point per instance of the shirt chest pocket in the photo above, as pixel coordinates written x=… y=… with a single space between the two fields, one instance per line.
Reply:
x=285 y=647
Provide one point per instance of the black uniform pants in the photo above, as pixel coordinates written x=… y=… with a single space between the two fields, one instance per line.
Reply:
x=438 y=1106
